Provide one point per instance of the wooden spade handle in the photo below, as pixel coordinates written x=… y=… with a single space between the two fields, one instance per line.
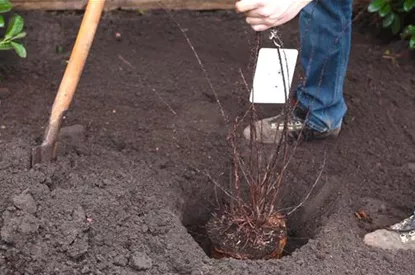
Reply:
x=77 y=60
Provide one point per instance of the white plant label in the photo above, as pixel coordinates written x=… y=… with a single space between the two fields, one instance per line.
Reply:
x=270 y=74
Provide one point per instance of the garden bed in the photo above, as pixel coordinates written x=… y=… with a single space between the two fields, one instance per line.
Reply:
x=129 y=195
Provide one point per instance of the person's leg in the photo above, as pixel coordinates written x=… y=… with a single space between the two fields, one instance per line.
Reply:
x=325 y=33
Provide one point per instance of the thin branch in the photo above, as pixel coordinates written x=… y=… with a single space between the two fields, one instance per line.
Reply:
x=217 y=184
x=126 y=61
x=199 y=61
x=312 y=187
x=165 y=103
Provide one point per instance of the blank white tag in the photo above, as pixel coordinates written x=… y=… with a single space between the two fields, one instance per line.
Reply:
x=268 y=86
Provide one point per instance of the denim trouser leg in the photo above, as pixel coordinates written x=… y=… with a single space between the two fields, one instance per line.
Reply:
x=325 y=33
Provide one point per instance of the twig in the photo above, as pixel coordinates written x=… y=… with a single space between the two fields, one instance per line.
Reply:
x=312 y=187
x=165 y=103
x=199 y=61
x=217 y=184
x=359 y=14
x=126 y=61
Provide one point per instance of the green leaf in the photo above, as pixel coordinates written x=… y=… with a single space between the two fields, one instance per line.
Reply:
x=385 y=10
x=59 y=49
x=19 y=35
x=405 y=34
x=408 y=5
x=388 y=20
x=16 y=25
x=376 y=5
x=20 y=49
x=412 y=42
x=2 y=22
x=6 y=46
x=396 y=25
x=5 y=6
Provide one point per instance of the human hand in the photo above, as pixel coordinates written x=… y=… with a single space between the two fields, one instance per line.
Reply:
x=264 y=14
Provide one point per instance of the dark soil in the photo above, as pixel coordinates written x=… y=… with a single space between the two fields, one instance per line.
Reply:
x=126 y=195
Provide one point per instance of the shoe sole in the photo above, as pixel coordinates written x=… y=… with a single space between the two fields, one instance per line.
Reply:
x=331 y=136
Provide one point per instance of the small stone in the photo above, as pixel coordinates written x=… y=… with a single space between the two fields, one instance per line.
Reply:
x=99 y=184
x=25 y=202
x=106 y=182
x=388 y=258
x=120 y=260
x=69 y=263
x=85 y=270
x=40 y=191
x=102 y=265
x=140 y=261
x=29 y=224
x=78 y=248
x=79 y=214
x=11 y=208
x=320 y=256
x=100 y=258
x=144 y=228
x=119 y=143
x=411 y=166
x=15 y=227
x=300 y=262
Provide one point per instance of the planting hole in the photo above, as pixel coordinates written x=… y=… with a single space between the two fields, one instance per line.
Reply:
x=271 y=216
x=196 y=216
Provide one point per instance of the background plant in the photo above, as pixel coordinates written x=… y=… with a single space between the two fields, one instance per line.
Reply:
x=397 y=16
x=14 y=30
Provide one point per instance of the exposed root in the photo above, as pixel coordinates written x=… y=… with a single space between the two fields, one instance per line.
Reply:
x=242 y=236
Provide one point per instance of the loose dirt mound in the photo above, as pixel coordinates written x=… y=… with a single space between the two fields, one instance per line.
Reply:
x=126 y=196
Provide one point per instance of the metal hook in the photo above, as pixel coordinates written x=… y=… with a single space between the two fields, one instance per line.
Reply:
x=273 y=36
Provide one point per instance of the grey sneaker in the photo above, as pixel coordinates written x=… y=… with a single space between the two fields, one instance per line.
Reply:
x=400 y=236
x=269 y=130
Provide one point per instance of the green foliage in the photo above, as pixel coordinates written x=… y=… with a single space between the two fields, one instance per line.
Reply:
x=394 y=14
x=14 y=30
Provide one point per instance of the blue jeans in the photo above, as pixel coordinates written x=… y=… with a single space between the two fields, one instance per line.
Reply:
x=325 y=35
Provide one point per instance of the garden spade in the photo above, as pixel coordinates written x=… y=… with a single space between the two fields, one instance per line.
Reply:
x=47 y=150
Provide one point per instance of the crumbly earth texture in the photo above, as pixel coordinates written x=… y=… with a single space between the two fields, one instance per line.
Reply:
x=129 y=192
